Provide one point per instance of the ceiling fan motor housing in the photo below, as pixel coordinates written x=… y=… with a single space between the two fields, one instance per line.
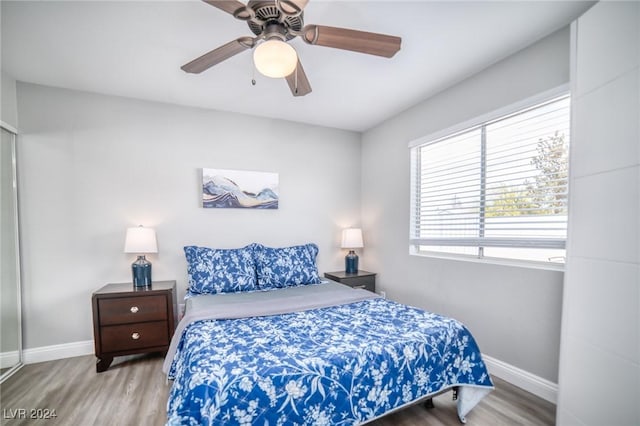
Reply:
x=267 y=12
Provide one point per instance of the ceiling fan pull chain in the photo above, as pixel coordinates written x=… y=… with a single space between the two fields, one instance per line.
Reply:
x=296 y=80
x=253 y=74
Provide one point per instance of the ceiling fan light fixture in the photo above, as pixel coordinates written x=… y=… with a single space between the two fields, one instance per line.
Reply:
x=275 y=58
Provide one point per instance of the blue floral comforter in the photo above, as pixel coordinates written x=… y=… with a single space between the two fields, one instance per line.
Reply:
x=337 y=365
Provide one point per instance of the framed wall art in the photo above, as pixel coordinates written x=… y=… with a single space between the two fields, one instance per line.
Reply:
x=239 y=189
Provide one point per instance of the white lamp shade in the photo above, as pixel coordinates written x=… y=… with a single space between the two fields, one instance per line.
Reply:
x=352 y=238
x=275 y=58
x=140 y=240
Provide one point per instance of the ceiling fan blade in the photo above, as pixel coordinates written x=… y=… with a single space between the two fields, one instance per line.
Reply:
x=356 y=41
x=233 y=7
x=218 y=55
x=298 y=81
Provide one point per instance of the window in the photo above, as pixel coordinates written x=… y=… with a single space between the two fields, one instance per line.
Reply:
x=497 y=189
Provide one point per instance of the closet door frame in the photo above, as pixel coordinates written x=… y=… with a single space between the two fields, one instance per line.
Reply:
x=16 y=231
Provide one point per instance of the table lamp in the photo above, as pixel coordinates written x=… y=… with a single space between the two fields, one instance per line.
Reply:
x=141 y=240
x=351 y=239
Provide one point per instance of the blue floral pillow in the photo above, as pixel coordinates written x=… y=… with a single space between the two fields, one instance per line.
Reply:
x=286 y=266
x=213 y=271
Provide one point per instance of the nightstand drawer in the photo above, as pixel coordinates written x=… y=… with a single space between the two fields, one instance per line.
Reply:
x=362 y=279
x=134 y=336
x=366 y=283
x=123 y=310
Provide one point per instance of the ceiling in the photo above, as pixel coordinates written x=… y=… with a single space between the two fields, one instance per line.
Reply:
x=135 y=49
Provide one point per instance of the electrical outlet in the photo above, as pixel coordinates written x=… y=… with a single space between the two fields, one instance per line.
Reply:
x=383 y=294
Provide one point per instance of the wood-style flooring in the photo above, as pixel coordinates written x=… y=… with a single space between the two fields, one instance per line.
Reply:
x=134 y=392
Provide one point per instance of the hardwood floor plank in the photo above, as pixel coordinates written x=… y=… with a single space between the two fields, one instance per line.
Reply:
x=133 y=391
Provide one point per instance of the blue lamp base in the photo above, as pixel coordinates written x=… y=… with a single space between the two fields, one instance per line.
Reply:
x=351 y=263
x=141 y=272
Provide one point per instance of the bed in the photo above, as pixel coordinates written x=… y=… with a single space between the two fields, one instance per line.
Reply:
x=294 y=350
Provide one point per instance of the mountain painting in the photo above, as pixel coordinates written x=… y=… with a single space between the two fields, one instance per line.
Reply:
x=239 y=189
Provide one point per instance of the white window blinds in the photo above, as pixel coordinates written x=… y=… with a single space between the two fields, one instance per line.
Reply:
x=502 y=183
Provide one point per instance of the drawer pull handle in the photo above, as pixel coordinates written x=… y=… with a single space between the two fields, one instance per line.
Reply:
x=134 y=309
x=135 y=336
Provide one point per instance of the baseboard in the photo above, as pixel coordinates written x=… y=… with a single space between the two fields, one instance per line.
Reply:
x=538 y=386
x=9 y=359
x=53 y=352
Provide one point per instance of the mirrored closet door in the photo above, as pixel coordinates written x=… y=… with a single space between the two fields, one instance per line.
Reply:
x=10 y=312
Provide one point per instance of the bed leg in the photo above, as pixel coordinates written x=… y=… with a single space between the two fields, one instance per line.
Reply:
x=428 y=404
x=455 y=389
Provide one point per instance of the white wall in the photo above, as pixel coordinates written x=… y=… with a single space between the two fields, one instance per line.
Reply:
x=600 y=350
x=513 y=312
x=92 y=165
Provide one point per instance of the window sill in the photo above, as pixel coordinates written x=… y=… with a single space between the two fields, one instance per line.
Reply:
x=530 y=264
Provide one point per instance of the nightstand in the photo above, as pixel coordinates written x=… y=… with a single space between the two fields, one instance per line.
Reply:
x=361 y=279
x=128 y=320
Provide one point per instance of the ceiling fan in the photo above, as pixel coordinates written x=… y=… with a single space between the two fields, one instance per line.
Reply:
x=274 y=23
